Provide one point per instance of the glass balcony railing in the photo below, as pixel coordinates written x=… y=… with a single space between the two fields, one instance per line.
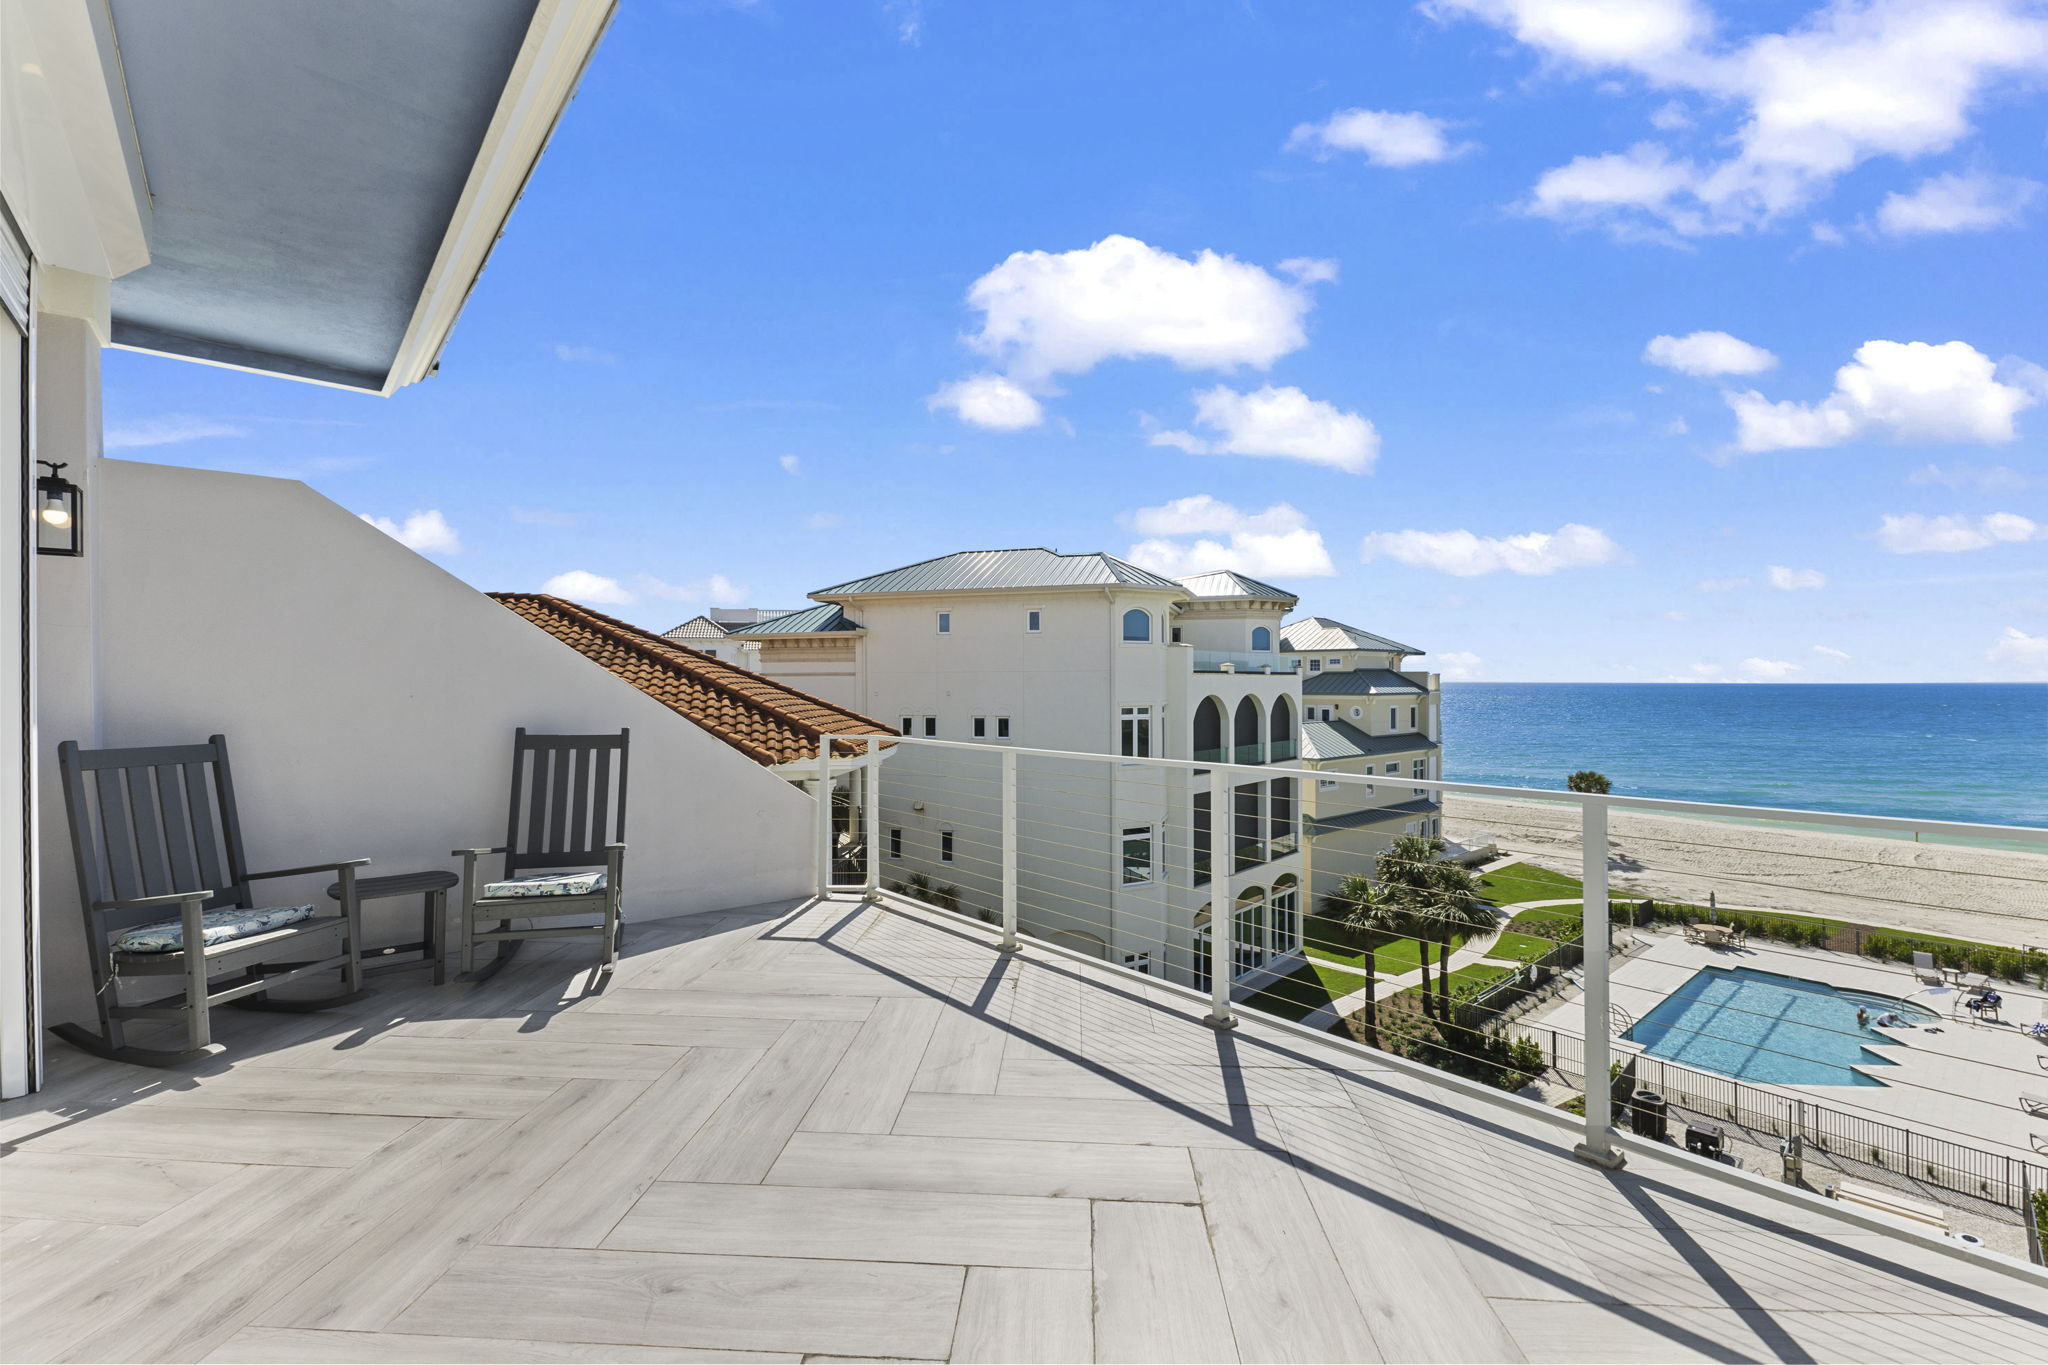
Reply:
x=1212 y=755
x=1283 y=844
x=1222 y=661
x=1250 y=854
x=1284 y=750
x=1251 y=753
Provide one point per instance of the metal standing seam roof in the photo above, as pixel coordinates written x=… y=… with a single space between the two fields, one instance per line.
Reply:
x=1314 y=633
x=825 y=619
x=768 y=721
x=1230 y=583
x=1325 y=740
x=988 y=570
x=1376 y=815
x=696 y=628
x=1360 y=682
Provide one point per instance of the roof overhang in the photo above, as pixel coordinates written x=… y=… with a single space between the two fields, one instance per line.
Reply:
x=326 y=181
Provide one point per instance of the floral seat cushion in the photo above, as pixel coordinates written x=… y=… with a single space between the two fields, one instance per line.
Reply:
x=547 y=884
x=215 y=926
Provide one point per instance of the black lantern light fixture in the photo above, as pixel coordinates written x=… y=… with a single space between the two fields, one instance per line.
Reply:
x=60 y=507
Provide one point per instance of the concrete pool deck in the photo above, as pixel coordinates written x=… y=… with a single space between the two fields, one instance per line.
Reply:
x=1958 y=1079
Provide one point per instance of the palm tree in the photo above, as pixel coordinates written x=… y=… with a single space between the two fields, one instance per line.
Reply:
x=1588 y=781
x=1368 y=910
x=1406 y=873
x=1440 y=900
x=918 y=886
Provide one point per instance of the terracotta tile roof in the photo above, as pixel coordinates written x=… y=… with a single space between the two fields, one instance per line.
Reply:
x=763 y=719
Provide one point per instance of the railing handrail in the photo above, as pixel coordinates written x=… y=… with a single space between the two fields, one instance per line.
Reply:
x=1262 y=772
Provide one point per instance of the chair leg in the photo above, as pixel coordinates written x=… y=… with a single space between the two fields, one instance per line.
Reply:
x=198 y=1014
x=437 y=934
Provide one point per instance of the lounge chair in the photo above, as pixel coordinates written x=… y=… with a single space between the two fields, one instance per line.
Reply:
x=568 y=818
x=1925 y=972
x=158 y=847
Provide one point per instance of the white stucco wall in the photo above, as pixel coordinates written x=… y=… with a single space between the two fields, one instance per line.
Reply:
x=369 y=699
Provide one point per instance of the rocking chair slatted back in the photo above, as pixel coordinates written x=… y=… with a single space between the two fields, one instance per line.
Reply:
x=568 y=800
x=149 y=822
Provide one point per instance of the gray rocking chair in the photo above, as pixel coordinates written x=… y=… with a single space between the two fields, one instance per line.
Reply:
x=568 y=813
x=156 y=838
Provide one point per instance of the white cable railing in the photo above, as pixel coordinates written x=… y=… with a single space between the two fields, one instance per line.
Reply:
x=1203 y=875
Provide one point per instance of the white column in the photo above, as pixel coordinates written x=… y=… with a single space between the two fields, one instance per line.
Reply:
x=1598 y=1146
x=824 y=816
x=1222 y=906
x=871 y=815
x=1009 y=943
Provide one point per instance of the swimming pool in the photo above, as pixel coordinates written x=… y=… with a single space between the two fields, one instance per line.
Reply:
x=1760 y=1026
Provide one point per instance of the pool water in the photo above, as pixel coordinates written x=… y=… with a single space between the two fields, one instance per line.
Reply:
x=1759 y=1026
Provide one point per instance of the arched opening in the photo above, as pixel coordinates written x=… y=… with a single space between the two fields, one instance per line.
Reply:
x=1248 y=941
x=1281 y=836
x=1262 y=639
x=1280 y=727
x=1245 y=732
x=1209 y=732
x=1137 y=625
x=1283 y=917
x=1080 y=942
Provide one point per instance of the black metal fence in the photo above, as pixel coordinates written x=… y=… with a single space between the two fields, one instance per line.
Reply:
x=1992 y=1176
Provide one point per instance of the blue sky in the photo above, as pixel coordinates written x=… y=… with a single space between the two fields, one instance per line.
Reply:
x=1363 y=298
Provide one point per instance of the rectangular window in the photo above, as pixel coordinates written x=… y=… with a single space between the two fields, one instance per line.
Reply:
x=1392 y=713
x=1139 y=962
x=1033 y=620
x=1328 y=714
x=1315 y=665
x=1137 y=855
x=1327 y=784
x=1393 y=768
x=981 y=727
x=1137 y=731
x=945 y=845
x=895 y=843
x=1336 y=663
x=909 y=725
x=1411 y=718
x=931 y=727
x=1002 y=727
x=945 y=623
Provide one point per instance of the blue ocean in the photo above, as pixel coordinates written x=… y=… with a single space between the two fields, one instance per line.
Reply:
x=1928 y=751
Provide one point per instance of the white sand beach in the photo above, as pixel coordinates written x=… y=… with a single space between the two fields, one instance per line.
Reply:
x=1990 y=895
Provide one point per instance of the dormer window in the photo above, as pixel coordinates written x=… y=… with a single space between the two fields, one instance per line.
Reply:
x=1262 y=640
x=1315 y=665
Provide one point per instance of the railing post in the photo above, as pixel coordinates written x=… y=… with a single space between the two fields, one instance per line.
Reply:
x=824 y=816
x=1009 y=942
x=1598 y=1146
x=871 y=818
x=1222 y=920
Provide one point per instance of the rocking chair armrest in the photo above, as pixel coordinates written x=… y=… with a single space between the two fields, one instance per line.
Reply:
x=615 y=848
x=475 y=852
x=309 y=870
x=151 y=902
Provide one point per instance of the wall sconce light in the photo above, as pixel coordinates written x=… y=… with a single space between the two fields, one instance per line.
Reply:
x=60 y=509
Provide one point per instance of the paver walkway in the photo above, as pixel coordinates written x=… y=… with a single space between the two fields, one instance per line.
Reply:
x=837 y=1130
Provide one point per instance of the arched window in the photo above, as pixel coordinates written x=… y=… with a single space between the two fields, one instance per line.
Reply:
x=1262 y=639
x=1137 y=624
x=1248 y=943
x=1283 y=919
x=1209 y=732
x=1283 y=719
x=1245 y=732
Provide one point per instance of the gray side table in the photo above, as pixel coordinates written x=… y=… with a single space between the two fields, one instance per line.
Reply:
x=432 y=887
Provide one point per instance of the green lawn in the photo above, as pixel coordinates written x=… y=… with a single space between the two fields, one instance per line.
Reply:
x=1309 y=988
x=1475 y=975
x=1394 y=956
x=1520 y=947
x=1526 y=882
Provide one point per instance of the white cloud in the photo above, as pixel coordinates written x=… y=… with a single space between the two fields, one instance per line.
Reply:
x=1831 y=655
x=988 y=400
x=580 y=585
x=1983 y=478
x=583 y=355
x=1704 y=354
x=1050 y=313
x=1853 y=81
x=1767 y=670
x=1571 y=546
x=1914 y=534
x=1793 y=580
x=717 y=590
x=1282 y=423
x=169 y=430
x=1904 y=391
x=1275 y=543
x=1677 y=426
x=1459 y=665
x=790 y=464
x=427 y=532
x=1309 y=269
x=1972 y=202
x=1385 y=137
x=2020 y=654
